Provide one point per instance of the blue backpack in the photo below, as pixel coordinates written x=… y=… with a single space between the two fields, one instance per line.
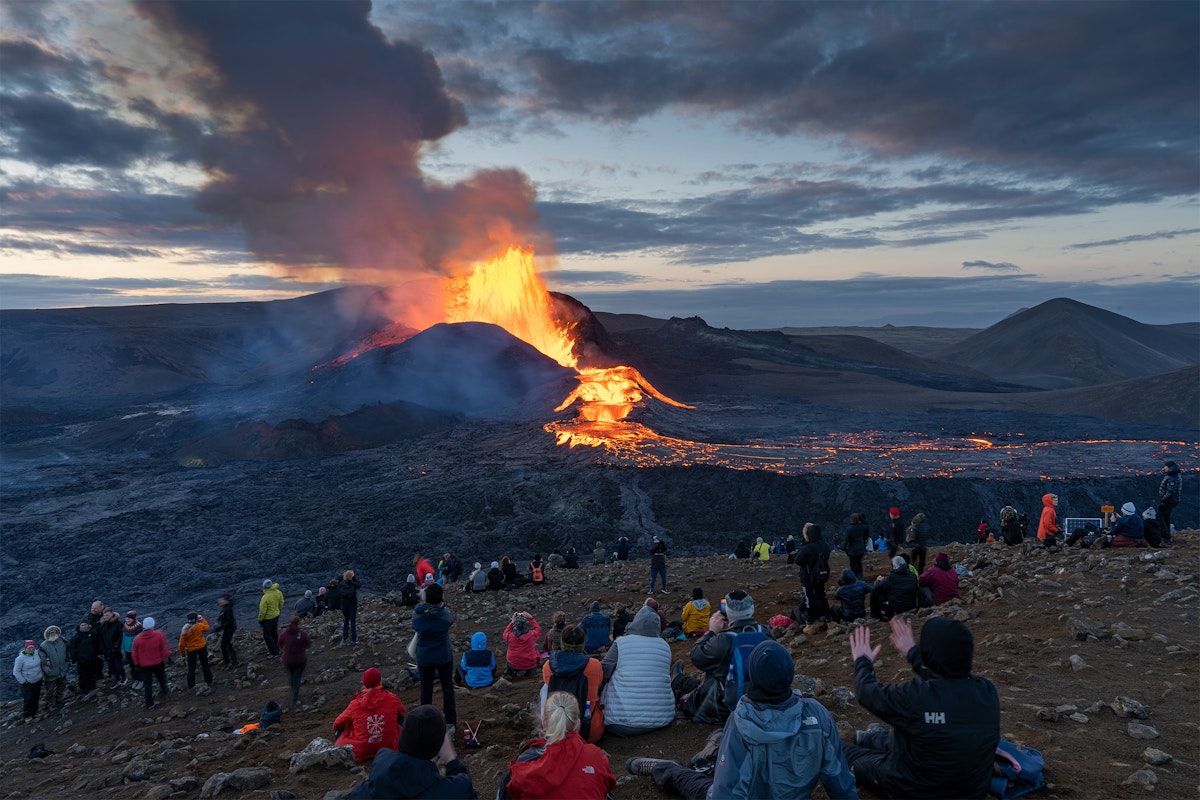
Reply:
x=739 y=663
x=1018 y=770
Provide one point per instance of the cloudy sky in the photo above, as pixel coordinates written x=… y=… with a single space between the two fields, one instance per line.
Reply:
x=757 y=164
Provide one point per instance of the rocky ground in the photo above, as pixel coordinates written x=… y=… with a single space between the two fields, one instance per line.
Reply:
x=1095 y=655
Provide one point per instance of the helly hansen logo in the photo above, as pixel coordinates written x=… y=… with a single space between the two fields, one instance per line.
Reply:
x=935 y=718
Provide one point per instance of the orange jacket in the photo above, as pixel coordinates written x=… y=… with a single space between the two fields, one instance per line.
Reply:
x=595 y=676
x=192 y=637
x=1048 y=524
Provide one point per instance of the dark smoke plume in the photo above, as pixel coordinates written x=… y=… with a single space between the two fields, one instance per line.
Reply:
x=321 y=125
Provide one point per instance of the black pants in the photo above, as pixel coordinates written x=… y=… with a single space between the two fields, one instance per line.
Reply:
x=90 y=672
x=688 y=783
x=856 y=565
x=149 y=674
x=270 y=630
x=295 y=676
x=228 y=654
x=815 y=601
x=30 y=694
x=200 y=655
x=1164 y=519
x=918 y=557
x=866 y=761
x=445 y=673
x=349 y=621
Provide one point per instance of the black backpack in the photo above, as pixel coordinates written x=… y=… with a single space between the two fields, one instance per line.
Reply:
x=575 y=684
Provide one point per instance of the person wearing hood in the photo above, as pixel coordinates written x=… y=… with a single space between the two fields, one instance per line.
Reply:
x=109 y=633
x=521 y=635
x=305 y=605
x=372 y=720
x=293 y=644
x=776 y=744
x=598 y=627
x=1151 y=530
x=27 y=669
x=495 y=577
x=1127 y=530
x=1048 y=523
x=704 y=699
x=919 y=540
x=477 y=667
x=658 y=565
x=270 y=606
x=1170 y=489
x=896 y=592
x=741 y=549
x=945 y=722
x=622 y=548
x=410 y=771
x=857 y=537
x=477 y=579
x=852 y=593
x=227 y=627
x=813 y=560
x=193 y=645
x=130 y=628
x=600 y=554
x=941 y=579
x=561 y=764
x=435 y=655
x=696 y=613
x=761 y=550
x=150 y=652
x=568 y=663
x=55 y=663
x=636 y=692
x=652 y=604
x=87 y=654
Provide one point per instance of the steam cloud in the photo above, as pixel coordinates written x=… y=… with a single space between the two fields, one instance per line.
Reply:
x=322 y=121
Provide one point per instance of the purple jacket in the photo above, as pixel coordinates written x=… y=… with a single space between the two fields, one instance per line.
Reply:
x=293 y=644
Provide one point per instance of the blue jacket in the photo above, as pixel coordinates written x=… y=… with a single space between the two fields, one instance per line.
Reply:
x=397 y=776
x=478 y=664
x=853 y=594
x=1130 y=527
x=596 y=627
x=432 y=624
x=780 y=751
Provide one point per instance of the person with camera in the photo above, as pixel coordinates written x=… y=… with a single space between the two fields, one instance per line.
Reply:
x=521 y=635
x=435 y=655
x=703 y=699
x=194 y=647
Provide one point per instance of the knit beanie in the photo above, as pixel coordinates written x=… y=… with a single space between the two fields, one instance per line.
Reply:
x=595 y=607
x=898 y=562
x=267 y=583
x=423 y=732
x=771 y=672
x=148 y=624
x=739 y=605
x=30 y=644
x=1150 y=513
x=1128 y=510
x=308 y=594
x=372 y=678
x=433 y=594
x=894 y=513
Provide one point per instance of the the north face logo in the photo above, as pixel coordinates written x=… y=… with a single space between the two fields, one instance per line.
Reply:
x=589 y=770
x=935 y=718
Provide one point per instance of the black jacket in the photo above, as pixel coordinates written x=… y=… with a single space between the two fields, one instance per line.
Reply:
x=395 y=776
x=898 y=590
x=658 y=555
x=349 y=592
x=946 y=731
x=85 y=646
x=813 y=559
x=856 y=539
x=110 y=635
x=225 y=620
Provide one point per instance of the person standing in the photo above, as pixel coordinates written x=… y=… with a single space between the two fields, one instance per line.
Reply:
x=813 y=560
x=87 y=656
x=1048 y=523
x=658 y=565
x=435 y=655
x=55 y=663
x=130 y=628
x=1169 y=492
x=857 y=536
x=895 y=532
x=194 y=647
x=269 y=609
x=919 y=541
x=150 y=652
x=227 y=627
x=109 y=633
x=350 y=587
x=27 y=669
x=293 y=644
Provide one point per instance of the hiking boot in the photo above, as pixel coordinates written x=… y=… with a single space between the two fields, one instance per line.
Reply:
x=645 y=766
x=708 y=754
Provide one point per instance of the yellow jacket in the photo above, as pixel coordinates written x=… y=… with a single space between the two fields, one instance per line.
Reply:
x=271 y=604
x=192 y=637
x=762 y=551
x=695 y=616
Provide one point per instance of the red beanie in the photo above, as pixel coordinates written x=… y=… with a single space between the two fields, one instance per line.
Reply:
x=895 y=512
x=372 y=678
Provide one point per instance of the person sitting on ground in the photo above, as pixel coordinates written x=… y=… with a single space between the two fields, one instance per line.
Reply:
x=622 y=548
x=597 y=626
x=741 y=549
x=495 y=578
x=521 y=634
x=429 y=580
x=410 y=592
x=945 y=722
x=761 y=551
x=852 y=592
x=477 y=580
x=662 y=618
x=305 y=605
x=477 y=667
x=537 y=570
x=560 y=765
x=696 y=614
x=621 y=619
x=942 y=580
x=410 y=772
x=320 y=602
x=562 y=669
x=600 y=554
x=637 y=694
x=1127 y=530
x=571 y=559
x=512 y=578
x=556 y=560
x=703 y=700
x=775 y=744
x=1151 y=530
x=896 y=592
x=553 y=639
x=372 y=720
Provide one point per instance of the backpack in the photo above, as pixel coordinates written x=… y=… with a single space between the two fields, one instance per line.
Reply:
x=1017 y=771
x=271 y=714
x=739 y=663
x=535 y=574
x=575 y=684
x=1008 y=515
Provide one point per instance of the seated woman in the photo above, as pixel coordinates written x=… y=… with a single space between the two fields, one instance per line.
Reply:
x=512 y=578
x=560 y=765
x=495 y=577
x=553 y=639
x=941 y=579
x=596 y=628
x=372 y=720
x=477 y=668
x=564 y=667
x=537 y=570
x=696 y=614
x=522 y=637
x=637 y=694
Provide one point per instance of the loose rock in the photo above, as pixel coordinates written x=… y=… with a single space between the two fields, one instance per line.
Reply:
x=321 y=753
x=1154 y=756
x=1144 y=778
x=1139 y=731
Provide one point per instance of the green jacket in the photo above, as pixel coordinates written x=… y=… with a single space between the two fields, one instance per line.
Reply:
x=271 y=604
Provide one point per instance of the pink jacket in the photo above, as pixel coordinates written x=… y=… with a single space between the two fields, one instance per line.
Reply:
x=523 y=649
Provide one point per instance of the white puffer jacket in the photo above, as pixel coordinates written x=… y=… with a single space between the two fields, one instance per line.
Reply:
x=639 y=692
x=27 y=668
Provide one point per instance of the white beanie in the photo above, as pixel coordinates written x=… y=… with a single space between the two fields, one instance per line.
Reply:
x=266 y=583
x=1150 y=513
x=1128 y=510
x=897 y=562
x=148 y=623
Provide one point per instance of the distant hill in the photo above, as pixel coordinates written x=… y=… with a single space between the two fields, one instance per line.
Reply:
x=919 y=340
x=1063 y=343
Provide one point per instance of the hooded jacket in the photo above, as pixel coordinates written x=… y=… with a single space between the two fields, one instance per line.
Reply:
x=1169 y=488
x=191 y=638
x=780 y=751
x=294 y=642
x=110 y=637
x=478 y=664
x=637 y=674
x=150 y=648
x=432 y=626
x=399 y=776
x=27 y=667
x=567 y=665
x=522 y=649
x=857 y=535
x=942 y=583
x=370 y=722
x=1048 y=524
x=54 y=655
x=946 y=723
x=568 y=768
x=695 y=616
x=853 y=595
x=898 y=589
x=920 y=526
x=813 y=558
x=711 y=654
x=271 y=604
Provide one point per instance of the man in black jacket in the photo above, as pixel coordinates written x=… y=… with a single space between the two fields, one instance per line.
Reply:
x=704 y=699
x=945 y=722
x=896 y=592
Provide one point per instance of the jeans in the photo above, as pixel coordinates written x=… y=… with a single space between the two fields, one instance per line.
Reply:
x=149 y=674
x=116 y=667
x=659 y=573
x=445 y=673
x=270 y=629
x=30 y=694
x=349 y=621
x=295 y=676
x=200 y=655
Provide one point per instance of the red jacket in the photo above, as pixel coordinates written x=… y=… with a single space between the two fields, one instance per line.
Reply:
x=423 y=568
x=943 y=583
x=150 y=648
x=293 y=646
x=568 y=768
x=371 y=721
x=523 y=649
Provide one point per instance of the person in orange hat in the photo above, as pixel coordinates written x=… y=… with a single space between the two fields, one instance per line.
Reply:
x=372 y=720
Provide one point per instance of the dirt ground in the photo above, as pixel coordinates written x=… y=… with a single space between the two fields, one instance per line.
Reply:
x=1141 y=607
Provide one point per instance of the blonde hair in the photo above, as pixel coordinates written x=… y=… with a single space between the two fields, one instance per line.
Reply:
x=560 y=716
x=348 y=574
